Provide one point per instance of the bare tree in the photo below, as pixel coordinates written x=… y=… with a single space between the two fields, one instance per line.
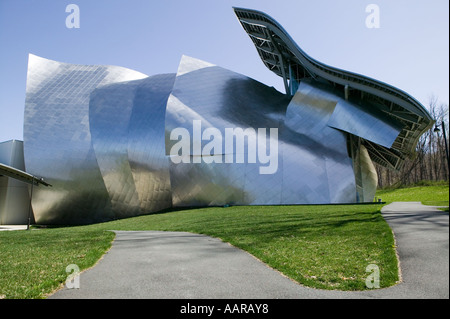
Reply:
x=430 y=163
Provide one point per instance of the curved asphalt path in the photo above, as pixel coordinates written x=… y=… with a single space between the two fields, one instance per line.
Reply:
x=173 y=265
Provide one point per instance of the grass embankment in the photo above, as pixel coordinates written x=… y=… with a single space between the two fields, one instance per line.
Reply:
x=433 y=194
x=325 y=247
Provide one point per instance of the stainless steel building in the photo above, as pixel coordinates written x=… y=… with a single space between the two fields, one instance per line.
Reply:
x=115 y=143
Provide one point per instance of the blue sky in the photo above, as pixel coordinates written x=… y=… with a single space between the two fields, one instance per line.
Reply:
x=410 y=49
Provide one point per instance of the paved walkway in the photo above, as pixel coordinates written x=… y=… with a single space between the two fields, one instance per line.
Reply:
x=171 y=265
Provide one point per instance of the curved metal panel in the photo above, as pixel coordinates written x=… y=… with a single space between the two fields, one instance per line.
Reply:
x=110 y=110
x=127 y=127
x=313 y=165
x=322 y=171
x=146 y=152
x=369 y=124
x=57 y=139
x=211 y=97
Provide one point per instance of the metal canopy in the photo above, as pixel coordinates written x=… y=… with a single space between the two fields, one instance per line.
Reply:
x=21 y=175
x=284 y=57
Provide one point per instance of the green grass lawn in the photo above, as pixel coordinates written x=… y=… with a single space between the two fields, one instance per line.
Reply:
x=320 y=246
x=325 y=247
x=434 y=195
x=33 y=263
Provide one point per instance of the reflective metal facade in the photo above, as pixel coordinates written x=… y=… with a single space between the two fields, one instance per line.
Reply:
x=113 y=141
x=127 y=128
x=313 y=163
x=57 y=139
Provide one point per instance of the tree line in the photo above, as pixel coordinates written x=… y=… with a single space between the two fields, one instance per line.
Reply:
x=430 y=162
